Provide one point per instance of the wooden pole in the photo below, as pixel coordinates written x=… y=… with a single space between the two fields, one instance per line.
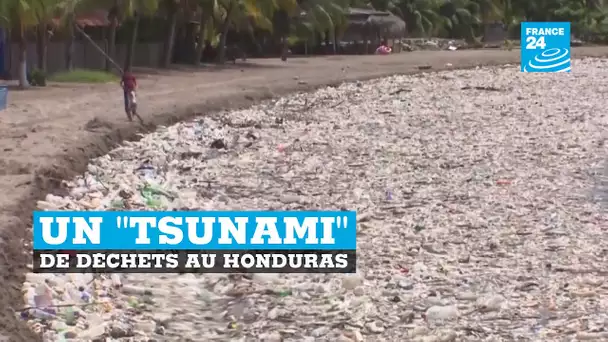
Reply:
x=98 y=48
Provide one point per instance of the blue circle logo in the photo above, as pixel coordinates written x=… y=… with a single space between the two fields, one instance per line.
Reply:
x=550 y=60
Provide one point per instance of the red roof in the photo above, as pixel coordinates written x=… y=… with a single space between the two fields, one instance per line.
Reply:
x=93 y=18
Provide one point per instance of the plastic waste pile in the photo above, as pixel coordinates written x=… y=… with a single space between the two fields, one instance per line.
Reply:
x=474 y=215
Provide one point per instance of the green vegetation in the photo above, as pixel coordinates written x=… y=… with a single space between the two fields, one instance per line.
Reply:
x=309 y=21
x=84 y=76
x=37 y=78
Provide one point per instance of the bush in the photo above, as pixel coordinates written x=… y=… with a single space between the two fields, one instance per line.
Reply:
x=37 y=78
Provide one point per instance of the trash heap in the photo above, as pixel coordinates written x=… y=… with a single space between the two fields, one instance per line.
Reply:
x=432 y=44
x=475 y=215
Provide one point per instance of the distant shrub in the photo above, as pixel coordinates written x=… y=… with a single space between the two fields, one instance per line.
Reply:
x=37 y=78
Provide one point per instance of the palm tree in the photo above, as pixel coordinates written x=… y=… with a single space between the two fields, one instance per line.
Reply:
x=461 y=17
x=325 y=17
x=114 y=18
x=207 y=8
x=281 y=22
x=44 y=11
x=229 y=7
x=381 y=5
x=285 y=10
x=490 y=10
x=118 y=9
x=69 y=25
x=421 y=16
x=21 y=15
x=171 y=7
x=510 y=16
x=243 y=15
x=267 y=15
x=133 y=10
x=68 y=10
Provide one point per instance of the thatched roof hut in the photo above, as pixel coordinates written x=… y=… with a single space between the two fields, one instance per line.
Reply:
x=371 y=23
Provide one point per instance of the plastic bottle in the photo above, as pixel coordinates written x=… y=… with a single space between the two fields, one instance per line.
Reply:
x=69 y=316
x=116 y=280
x=85 y=296
x=284 y=293
x=118 y=204
x=41 y=314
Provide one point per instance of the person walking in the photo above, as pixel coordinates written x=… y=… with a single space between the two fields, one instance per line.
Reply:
x=129 y=86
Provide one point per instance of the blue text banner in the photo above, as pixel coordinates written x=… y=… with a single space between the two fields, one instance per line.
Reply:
x=192 y=230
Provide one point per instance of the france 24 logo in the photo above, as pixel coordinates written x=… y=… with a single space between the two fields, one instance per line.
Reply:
x=545 y=47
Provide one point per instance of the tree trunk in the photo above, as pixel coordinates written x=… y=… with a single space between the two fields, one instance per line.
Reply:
x=170 y=37
x=111 y=41
x=41 y=46
x=132 y=43
x=258 y=47
x=284 y=48
x=198 y=56
x=23 y=83
x=334 y=40
x=188 y=49
x=281 y=23
x=189 y=42
x=69 y=48
x=4 y=34
x=285 y=39
x=221 y=48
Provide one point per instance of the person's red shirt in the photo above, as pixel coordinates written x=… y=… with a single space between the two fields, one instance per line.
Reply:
x=128 y=81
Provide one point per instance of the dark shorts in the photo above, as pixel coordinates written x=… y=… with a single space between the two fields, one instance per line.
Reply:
x=125 y=93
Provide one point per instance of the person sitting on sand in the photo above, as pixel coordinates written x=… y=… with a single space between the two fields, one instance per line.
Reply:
x=383 y=49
